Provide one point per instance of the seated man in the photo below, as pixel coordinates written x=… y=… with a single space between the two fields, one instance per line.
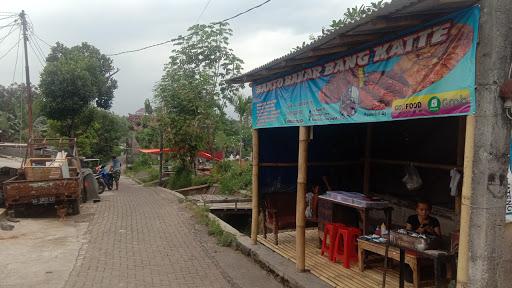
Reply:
x=422 y=222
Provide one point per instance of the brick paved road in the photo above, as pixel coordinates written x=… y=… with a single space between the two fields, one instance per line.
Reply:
x=143 y=237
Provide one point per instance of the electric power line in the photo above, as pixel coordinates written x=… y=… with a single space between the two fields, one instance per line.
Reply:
x=169 y=41
x=10 y=49
x=31 y=26
x=38 y=47
x=8 y=33
x=16 y=63
x=8 y=17
x=246 y=11
x=35 y=53
x=13 y=22
x=204 y=9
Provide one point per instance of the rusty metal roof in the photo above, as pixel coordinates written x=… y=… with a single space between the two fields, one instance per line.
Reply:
x=396 y=16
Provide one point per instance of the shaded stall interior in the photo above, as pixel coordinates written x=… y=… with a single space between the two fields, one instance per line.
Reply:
x=372 y=158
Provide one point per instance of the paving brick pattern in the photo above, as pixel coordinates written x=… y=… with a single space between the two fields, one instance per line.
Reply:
x=143 y=237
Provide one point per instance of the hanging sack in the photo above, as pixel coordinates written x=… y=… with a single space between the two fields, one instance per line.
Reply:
x=412 y=179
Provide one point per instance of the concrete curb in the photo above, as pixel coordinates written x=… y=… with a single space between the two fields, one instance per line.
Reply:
x=281 y=268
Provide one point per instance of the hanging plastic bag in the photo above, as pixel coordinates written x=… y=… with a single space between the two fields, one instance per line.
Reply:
x=454 y=182
x=309 y=210
x=412 y=179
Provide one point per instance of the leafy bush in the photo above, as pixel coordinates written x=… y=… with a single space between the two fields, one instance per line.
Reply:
x=143 y=162
x=201 y=180
x=182 y=178
x=154 y=174
x=231 y=176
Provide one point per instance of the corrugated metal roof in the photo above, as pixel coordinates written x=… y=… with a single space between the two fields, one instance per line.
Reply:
x=395 y=16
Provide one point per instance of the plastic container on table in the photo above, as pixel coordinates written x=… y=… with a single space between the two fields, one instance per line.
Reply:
x=357 y=199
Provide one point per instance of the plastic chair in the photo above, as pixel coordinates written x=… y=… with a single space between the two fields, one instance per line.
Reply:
x=330 y=230
x=348 y=237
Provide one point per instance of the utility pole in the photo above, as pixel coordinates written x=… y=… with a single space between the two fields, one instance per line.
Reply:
x=27 y=73
x=483 y=249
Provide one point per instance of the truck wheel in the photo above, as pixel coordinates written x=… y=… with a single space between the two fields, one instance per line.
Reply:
x=75 y=207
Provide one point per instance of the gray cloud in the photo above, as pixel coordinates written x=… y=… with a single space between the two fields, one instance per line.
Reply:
x=259 y=36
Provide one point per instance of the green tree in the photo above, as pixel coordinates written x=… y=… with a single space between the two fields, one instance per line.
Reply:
x=186 y=109
x=147 y=107
x=242 y=106
x=13 y=110
x=72 y=80
x=205 y=49
x=351 y=15
x=100 y=134
x=192 y=93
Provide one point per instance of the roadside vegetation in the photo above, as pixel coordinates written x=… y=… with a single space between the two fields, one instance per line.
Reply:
x=224 y=238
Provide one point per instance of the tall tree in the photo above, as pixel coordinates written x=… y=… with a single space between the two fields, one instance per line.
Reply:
x=192 y=92
x=206 y=49
x=72 y=80
x=186 y=109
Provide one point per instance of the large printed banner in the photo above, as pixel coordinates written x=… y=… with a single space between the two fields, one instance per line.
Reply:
x=425 y=72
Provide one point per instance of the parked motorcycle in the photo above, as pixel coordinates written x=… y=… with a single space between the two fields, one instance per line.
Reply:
x=107 y=178
x=101 y=184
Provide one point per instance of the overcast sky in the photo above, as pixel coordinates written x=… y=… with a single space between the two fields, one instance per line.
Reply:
x=112 y=26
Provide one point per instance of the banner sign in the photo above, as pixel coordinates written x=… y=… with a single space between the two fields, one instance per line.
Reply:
x=425 y=72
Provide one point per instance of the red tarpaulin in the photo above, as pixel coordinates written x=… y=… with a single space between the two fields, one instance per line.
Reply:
x=218 y=156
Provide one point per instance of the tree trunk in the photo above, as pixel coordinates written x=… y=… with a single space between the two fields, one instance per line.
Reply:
x=241 y=141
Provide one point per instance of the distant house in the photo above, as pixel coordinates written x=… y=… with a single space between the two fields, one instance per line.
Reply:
x=136 y=118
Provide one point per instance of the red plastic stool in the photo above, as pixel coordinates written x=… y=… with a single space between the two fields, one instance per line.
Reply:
x=348 y=251
x=330 y=230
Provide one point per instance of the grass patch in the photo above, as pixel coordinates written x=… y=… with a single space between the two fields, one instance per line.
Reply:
x=224 y=238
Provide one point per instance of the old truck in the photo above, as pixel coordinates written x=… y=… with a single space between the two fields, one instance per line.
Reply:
x=49 y=175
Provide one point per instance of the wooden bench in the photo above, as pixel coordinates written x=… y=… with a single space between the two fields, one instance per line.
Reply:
x=278 y=212
x=393 y=253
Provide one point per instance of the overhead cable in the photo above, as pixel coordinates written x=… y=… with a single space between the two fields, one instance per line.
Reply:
x=169 y=41
x=10 y=49
x=16 y=63
x=8 y=33
x=35 y=53
x=202 y=12
x=31 y=26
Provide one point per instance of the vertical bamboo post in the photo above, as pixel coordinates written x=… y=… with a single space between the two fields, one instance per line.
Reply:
x=302 y=178
x=465 y=211
x=460 y=160
x=367 y=152
x=255 y=185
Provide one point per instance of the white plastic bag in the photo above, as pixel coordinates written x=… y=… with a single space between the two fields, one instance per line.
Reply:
x=412 y=179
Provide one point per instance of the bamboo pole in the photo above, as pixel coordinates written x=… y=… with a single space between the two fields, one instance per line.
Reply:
x=302 y=177
x=367 y=150
x=255 y=185
x=460 y=159
x=465 y=211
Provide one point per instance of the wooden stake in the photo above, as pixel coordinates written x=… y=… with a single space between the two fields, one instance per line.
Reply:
x=255 y=185
x=302 y=179
x=367 y=152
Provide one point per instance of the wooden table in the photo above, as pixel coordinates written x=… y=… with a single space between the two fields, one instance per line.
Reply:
x=393 y=253
x=326 y=206
x=438 y=261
